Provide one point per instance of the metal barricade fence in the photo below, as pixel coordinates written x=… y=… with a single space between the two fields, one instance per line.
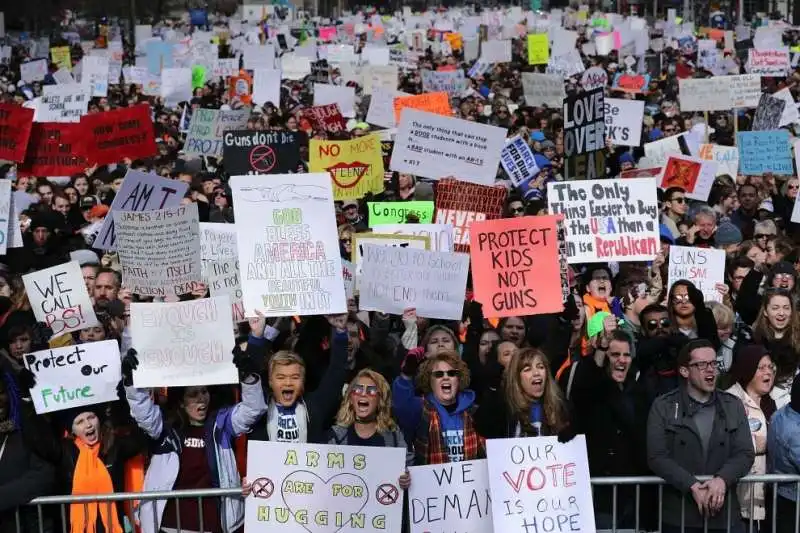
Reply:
x=735 y=523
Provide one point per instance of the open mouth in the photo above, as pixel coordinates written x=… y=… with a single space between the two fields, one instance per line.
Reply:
x=447 y=388
x=287 y=395
x=710 y=380
x=91 y=434
x=362 y=406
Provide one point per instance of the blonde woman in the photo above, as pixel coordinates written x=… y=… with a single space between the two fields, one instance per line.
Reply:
x=529 y=404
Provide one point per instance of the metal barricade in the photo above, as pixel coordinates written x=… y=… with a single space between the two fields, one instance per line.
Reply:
x=789 y=521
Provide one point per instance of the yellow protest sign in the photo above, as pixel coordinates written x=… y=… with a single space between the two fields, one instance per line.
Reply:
x=538 y=49
x=61 y=57
x=355 y=166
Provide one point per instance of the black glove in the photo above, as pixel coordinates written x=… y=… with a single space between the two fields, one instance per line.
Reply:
x=571 y=311
x=129 y=363
x=411 y=363
x=243 y=363
x=41 y=334
x=567 y=434
x=26 y=380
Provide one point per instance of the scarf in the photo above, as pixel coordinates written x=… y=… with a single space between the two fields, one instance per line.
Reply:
x=301 y=416
x=91 y=477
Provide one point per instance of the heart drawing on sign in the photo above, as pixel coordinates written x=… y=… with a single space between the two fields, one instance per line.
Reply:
x=346 y=493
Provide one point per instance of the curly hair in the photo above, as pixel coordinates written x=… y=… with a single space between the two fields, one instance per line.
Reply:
x=449 y=357
x=347 y=416
x=555 y=408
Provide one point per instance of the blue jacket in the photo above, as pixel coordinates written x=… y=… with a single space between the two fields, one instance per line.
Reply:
x=783 y=448
x=407 y=405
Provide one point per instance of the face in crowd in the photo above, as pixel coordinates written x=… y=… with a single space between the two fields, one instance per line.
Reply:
x=701 y=370
x=86 y=427
x=194 y=404
x=286 y=380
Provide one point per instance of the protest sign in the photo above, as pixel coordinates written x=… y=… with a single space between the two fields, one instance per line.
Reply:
x=325 y=118
x=224 y=68
x=295 y=67
x=207 y=128
x=220 y=264
x=16 y=123
x=355 y=166
x=176 y=85
x=314 y=488
x=344 y=97
x=745 y=90
x=706 y=94
x=182 y=344
x=261 y=152
x=6 y=220
x=594 y=78
x=74 y=376
x=59 y=298
x=497 y=51
x=515 y=270
x=764 y=151
x=223 y=279
x=266 y=86
x=584 y=123
x=256 y=56
x=31 y=71
x=438 y=103
x=640 y=173
x=63 y=103
x=140 y=191
x=288 y=245
x=692 y=174
x=380 y=77
x=94 y=75
x=453 y=82
x=517 y=160
x=217 y=243
x=381 y=107
x=608 y=220
x=567 y=65
x=769 y=63
x=459 y=204
x=705 y=267
x=380 y=239
x=349 y=277
x=393 y=279
x=543 y=89
x=624 y=121
x=456 y=494
x=60 y=56
x=540 y=484
x=63 y=77
x=55 y=150
x=396 y=212
x=119 y=134
x=538 y=49
x=768 y=113
x=658 y=151
x=159 y=250
x=726 y=157
x=440 y=235
x=434 y=146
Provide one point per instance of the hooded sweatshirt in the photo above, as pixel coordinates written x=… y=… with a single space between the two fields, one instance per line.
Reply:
x=452 y=422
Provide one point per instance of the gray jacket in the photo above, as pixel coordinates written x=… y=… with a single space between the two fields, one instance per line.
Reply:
x=675 y=453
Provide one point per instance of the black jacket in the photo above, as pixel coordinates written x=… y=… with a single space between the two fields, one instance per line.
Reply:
x=23 y=477
x=494 y=419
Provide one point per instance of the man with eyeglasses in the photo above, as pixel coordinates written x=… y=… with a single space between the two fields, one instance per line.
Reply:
x=697 y=430
x=675 y=208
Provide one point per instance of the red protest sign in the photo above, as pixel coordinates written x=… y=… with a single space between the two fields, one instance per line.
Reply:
x=115 y=135
x=459 y=204
x=15 y=130
x=325 y=118
x=515 y=266
x=55 y=149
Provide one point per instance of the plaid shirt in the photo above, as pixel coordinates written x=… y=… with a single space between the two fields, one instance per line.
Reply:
x=429 y=445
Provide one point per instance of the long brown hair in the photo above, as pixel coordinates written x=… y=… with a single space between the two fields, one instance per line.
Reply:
x=786 y=360
x=555 y=408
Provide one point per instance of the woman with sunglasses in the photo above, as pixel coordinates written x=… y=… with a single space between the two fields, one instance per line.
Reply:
x=440 y=423
x=689 y=314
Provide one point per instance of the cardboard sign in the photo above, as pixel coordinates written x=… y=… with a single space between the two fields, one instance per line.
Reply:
x=74 y=376
x=288 y=245
x=726 y=157
x=314 y=488
x=381 y=213
x=140 y=191
x=262 y=152
x=624 y=121
x=705 y=267
x=63 y=103
x=355 y=166
x=538 y=49
x=159 y=250
x=115 y=135
x=440 y=235
x=769 y=63
x=692 y=174
x=393 y=279
x=182 y=344
x=381 y=239
x=325 y=118
x=207 y=128
x=517 y=160
x=434 y=146
x=515 y=270
x=764 y=151
x=540 y=484
x=59 y=298
x=456 y=494
x=608 y=220
x=438 y=103
x=55 y=150
x=460 y=204
x=16 y=123
x=584 y=123
x=543 y=89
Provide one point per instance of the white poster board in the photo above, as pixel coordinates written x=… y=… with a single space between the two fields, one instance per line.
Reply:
x=182 y=344
x=63 y=103
x=288 y=245
x=345 y=97
x=266 y=86
x=74 y=376
x=59 y=298
x=624 y=121
x=705 y=267
x=94 y=75
x=32 y=71
x=440 y=235
x=352 y=489
x=543 y=89
x=206 y=129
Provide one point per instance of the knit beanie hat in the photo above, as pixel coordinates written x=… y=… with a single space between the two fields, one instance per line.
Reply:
x=727 y=234
x=745 y=363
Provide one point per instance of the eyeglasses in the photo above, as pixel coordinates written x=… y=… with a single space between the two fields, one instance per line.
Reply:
x=653 y=324
x=680 y=200
x=439 y=374
x=702 y=366
x=793 y=187
x=364 y=390
x=783 y=277
x=345 y=241
x=681 y=299
x=769 y=366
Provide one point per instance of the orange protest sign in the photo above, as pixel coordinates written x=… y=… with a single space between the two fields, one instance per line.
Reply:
x=455 y=40
x=515 y=266
x=438 y=103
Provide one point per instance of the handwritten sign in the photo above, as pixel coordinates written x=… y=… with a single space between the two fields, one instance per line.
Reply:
x=381 y=239
x=538 y=49
x=440 y=235
x=16 y=123
x=325 y=118
x=311 y=487
x=207 y=128
x=119 y=134
x=460 y=204
x=182 y=344
x=624 y=121
x=438 y=103
x=764 y=151
x=451 y=82
x=396 y=212
x=7 y=217
x=540 y=484
x=515 y=269
x=543 y=89
x=769 y=63
x=355 y=166
x=726 y=157
x=705 y=267
x=59 y=298
x=608 y=220
x=74 y=376
x=456 y=494
x=288 y=246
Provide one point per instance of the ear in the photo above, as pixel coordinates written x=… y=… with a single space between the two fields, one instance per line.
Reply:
x=684 y=372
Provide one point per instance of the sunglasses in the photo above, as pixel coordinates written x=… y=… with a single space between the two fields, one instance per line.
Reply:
x=763 y=236
x=653 y=324
x=517 y=209
x=681 y=299
x=680 y=200
x=364 y=390
x=439 y=374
